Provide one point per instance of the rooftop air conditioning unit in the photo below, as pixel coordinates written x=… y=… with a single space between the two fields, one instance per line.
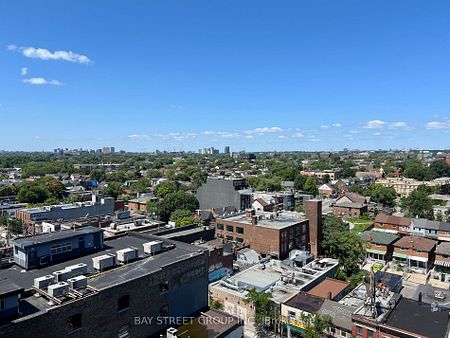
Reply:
x=62 y=275
x=77 y=269
x=78 y=282
x=172 y=333
x=127 y=254
x=153 y=247
x=58 y=289
x=44 y=281
x=104 y=261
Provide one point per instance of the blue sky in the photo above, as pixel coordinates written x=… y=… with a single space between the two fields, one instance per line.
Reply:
x=255 y=75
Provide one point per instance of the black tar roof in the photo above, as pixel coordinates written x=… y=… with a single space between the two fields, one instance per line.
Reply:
x=139 y=268
x=411 y=316
x=53 y=236
x=305 y=302
x=8 y=288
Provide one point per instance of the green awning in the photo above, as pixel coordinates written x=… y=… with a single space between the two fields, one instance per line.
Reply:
x=379 y=252
x=399 y=255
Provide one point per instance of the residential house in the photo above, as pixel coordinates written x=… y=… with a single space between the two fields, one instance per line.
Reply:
x=260 y=204
x=379 y=244
x=326 y=190
x=394 y=224
x=415 y=252
x=350 y=205
x=442 y=262
x=431 y=229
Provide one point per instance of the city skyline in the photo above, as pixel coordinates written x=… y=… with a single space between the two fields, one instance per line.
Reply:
x=303 y=76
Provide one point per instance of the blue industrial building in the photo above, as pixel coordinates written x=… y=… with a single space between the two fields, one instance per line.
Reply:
x=41 y=250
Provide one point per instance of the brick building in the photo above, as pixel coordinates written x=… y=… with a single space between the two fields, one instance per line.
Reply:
x=379 y=244
x=415 y=252
x=350 y=205
x=267 y=233
x=393 y=224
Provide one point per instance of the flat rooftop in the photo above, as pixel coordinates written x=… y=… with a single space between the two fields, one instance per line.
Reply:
x=120 y=274
x=269 y=220
x=418 y=318
x=54 y=236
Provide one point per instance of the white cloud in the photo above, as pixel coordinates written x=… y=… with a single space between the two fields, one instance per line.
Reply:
x=333 y=125
x=375 y=124
x=398 y=124
x=376 y=134
x=249 y=136
x=138 y=136
x=298 y=135
x=24 y=71
x=438 y=125
x=264 y=130
x=282 y=137
x=45 y=54
x=42 y=81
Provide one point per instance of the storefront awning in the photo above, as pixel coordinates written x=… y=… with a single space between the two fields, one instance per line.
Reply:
x=419 y=259
x=379 y=252
x=442 y=263
x=400 y=255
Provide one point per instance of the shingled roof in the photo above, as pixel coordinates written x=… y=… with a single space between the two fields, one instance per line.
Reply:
x=416 y=243
x=397 y=220
x=379 y=237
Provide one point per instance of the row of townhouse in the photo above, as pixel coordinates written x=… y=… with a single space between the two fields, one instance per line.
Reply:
x=417 y=244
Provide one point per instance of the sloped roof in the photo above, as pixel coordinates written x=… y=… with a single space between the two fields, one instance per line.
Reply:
x=334 y=286
x=433 y=225
x=379 y=237
x=341 y=314
x=416 y=243
x=397 y=220
x=443 y=248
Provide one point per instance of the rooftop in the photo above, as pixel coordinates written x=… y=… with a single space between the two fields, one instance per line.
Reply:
x=379 y=237
x=117 y=275
x=280 y=220
x=415 y=243
x=329 y=285
x=383 y=218
x=305 y=302
x=53 y=236
x=341 y=314
x=433 y=225
x=443 y=248
x=418 y=318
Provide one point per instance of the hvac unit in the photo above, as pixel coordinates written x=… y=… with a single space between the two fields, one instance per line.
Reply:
x=127 y=254
x=44 y=281
x=77 y=282
x=62 y=275
x=104 y=261
x=153 y=247
x=77 y=269
x=58 y=289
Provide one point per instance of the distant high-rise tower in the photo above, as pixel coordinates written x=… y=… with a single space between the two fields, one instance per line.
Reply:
x=226 y=150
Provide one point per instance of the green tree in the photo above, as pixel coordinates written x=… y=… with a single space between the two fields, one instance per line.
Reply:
x=440 y=168
x=180 y=213
x=315 y=325
x=174 y=201
x=215 y=304
x=418 y=203
x=183 y=221
x=263 y=305
x=151 y=207
x=338 y=242
x=97 y=175
x=384 y=195
x=310 y=186
x=165 y=188
x=113 y=189
x=33 y=193
x=55 y=187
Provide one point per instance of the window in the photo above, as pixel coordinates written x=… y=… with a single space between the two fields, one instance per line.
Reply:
x=291 y=314
x=219 y=226
x=163 y=286
x=229 y=238
x=358 y=331
x=73 y=323
x=240 y=240
x=239 y=230
x=343 y=334
x=59 y=248
x=124 y=331
x=123 y=303
x=230 y=228
x=369 y=334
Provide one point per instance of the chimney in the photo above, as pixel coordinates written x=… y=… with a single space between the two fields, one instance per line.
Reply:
x=370 y=237
x=330 y=295
x=254 y=220
x=420 y=298
x=313 y=210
